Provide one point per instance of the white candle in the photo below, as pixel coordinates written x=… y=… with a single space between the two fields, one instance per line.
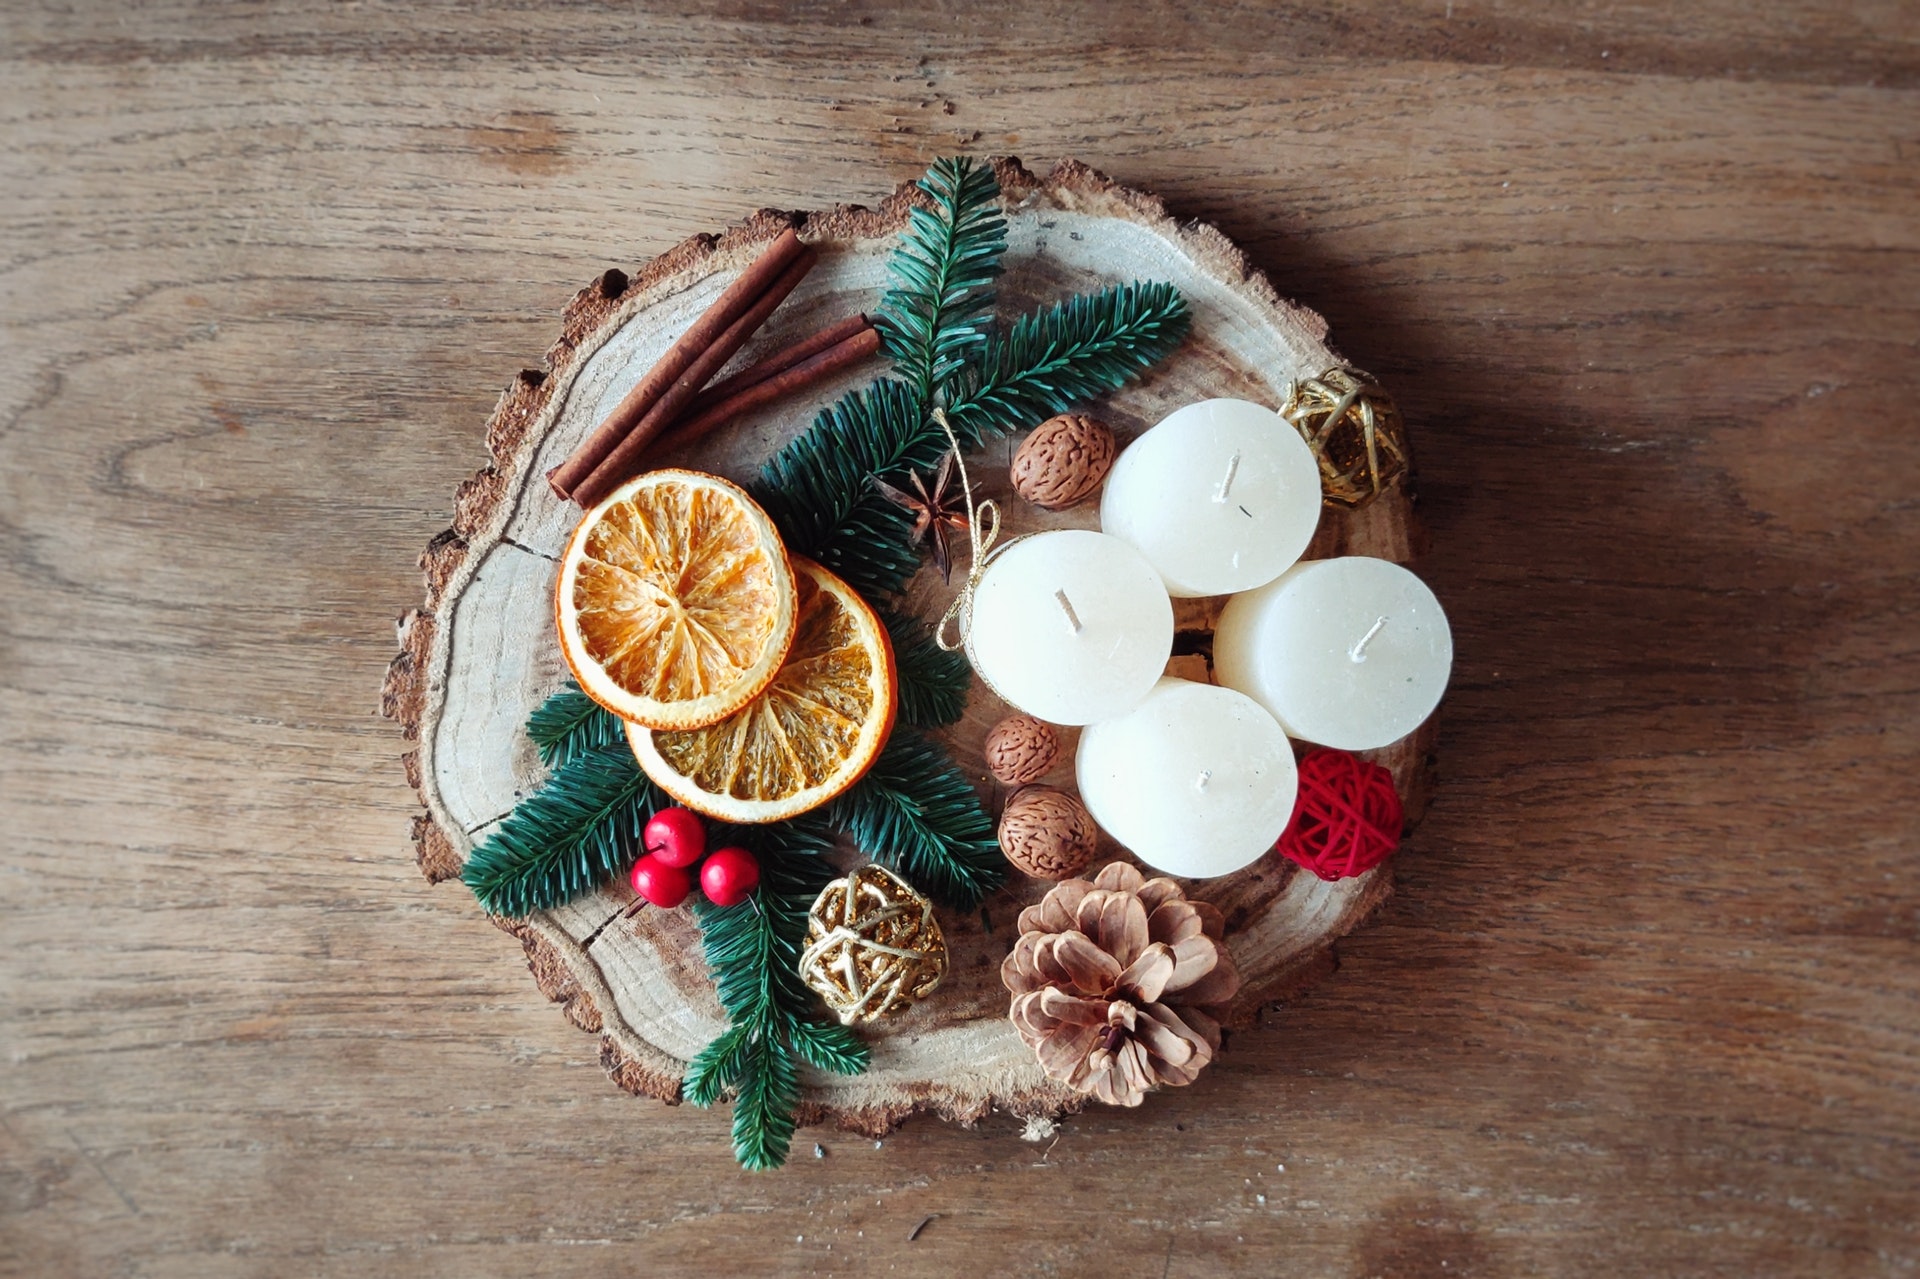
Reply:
x=1197 y=781
x=1221 y=496
x=1351 y=652
x=1071 y=626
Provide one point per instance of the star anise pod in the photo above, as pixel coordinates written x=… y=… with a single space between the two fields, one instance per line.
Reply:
x=937 y=512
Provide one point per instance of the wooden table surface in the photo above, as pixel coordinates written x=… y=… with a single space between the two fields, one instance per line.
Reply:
x=1647 y=284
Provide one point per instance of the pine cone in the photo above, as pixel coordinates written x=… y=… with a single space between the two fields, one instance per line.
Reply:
x=1107 y=978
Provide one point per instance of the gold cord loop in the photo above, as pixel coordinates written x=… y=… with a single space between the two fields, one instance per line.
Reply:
x=959 y=613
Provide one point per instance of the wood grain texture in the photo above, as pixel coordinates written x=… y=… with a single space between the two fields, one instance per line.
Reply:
x=1647 y=998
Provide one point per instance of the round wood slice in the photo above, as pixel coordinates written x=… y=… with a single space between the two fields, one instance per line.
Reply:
x=480 y=655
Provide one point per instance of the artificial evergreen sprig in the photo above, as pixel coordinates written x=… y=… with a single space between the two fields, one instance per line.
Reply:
x=932 y=684
x=819 y=487
x=935 y=316
x=916 y=812
x=569 y=724
x=577 y=830
x=1065 y=355
x=754 y=951
x=581 y=827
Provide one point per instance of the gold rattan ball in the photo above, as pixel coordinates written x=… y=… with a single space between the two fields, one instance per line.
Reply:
x=1355 y=433
x=873 y=946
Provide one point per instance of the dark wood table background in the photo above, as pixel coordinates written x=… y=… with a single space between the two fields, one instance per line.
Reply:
x=1647 y=283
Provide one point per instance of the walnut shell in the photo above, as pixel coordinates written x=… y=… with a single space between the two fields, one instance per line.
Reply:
x=1047 y=833
x=1021 y=749
x=1064 y=461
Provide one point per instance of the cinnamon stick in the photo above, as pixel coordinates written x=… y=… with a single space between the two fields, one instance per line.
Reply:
x=624 y=460
x=727 y=308
x=779 y=362
x=852 y=350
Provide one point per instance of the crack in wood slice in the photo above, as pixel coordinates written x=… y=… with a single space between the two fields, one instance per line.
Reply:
x=474 y=656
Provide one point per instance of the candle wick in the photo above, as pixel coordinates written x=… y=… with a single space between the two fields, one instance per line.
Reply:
x=1206 y=775
x=1358 y=652
x=1226 y=484
x=1066 y=606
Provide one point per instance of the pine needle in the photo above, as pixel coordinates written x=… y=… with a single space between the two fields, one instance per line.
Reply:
x=1065 y=355
x=763 y=1105
x=935 y=316
x=830 y=1046
x=916 y=812
x=569 y=724
x=578 y=829
x=933 y=682
x=718 y=1066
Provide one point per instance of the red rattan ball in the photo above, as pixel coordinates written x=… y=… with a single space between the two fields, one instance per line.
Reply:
x=1347 y=817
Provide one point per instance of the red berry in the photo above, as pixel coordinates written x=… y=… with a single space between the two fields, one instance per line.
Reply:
x=730 y=876
x=675 y=836
x=662 y=885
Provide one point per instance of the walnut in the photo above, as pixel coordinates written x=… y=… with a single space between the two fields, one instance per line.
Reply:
x=1021 y=749
x=1064 y=461
x=1047 y=833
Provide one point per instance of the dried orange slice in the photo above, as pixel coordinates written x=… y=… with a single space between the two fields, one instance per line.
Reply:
x=675 y=603
x=815 y=730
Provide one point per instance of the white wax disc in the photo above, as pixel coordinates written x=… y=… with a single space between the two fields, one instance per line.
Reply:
x=1351 y=652
x=1221 y=496
x=1071 y=626
x=1196 y=781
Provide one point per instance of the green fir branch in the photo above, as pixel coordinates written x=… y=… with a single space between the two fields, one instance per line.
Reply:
x=718 y=1066
x=1065 y=355
x=916 y=812
x=936 y=314
x=764 y=1099
x=829 y=1046
x=754 y=952
x=578 y=829
x=819 y=488
x=933 y=683
x=569 y=724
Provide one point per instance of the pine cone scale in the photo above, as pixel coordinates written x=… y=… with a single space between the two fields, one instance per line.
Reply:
x=1091 y=969
x=1174 y=922
x=1148 y=975
x=1159 y=891
x=1160 y=1038
x=1019 y=971
x=1217 y=987
x=1055 y=912
x=1117 y=922
x=1197 y=1029
x=1070 y=1010
x=1193 y=959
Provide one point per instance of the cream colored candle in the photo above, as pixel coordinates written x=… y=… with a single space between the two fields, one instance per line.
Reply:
x=1221 y=496
x=1196 y=781
x=1351 y=652
x=1071 y=626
